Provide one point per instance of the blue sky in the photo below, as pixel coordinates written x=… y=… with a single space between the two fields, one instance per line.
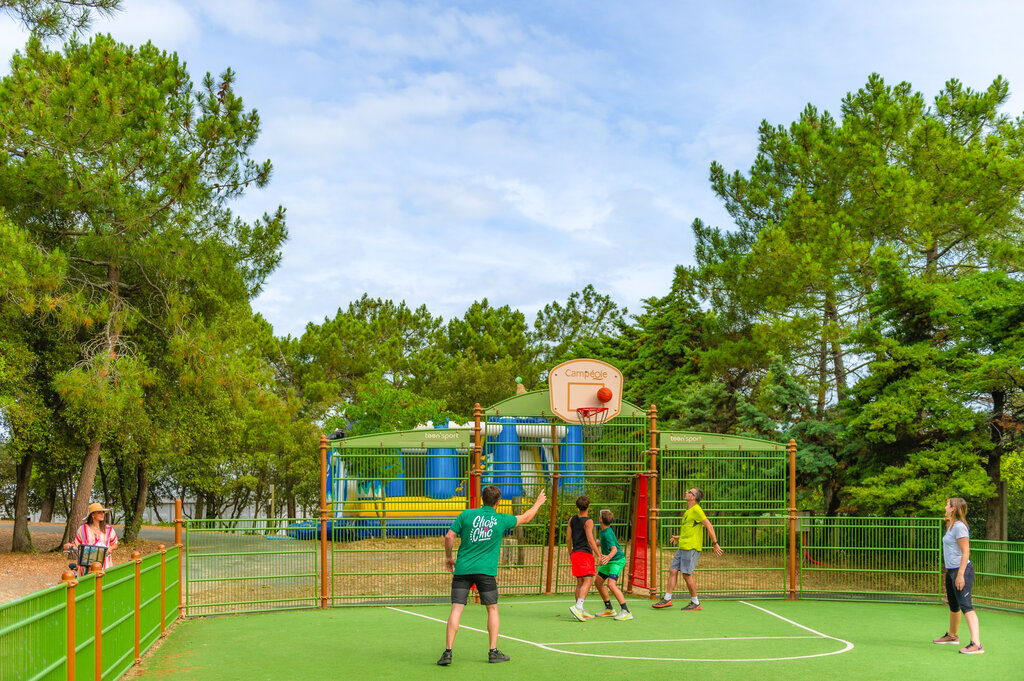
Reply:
x=441 y=153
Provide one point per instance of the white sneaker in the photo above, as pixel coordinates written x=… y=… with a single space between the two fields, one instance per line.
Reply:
x=623 y=615
x=580 y=613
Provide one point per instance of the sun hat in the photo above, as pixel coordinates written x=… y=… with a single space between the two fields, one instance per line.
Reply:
x=92 y=509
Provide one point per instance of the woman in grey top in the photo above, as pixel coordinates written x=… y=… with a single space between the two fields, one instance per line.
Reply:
x=959 y=576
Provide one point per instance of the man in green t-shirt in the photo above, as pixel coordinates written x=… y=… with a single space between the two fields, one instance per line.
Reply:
x=481 y=531
x=691 y=543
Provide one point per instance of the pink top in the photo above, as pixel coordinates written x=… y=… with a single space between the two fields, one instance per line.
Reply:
x=90 y=537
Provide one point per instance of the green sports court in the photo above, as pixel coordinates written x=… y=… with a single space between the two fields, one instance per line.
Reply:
x=727 y=640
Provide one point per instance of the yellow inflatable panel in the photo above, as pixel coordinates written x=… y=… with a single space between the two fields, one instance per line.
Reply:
x=410 y=507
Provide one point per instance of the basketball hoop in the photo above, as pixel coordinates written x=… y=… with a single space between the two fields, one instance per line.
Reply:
x=592 y=422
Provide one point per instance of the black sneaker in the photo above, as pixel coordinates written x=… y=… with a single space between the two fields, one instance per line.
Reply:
x=446 y=658
x=495 y=656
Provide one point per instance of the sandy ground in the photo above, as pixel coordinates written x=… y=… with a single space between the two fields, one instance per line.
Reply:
x=24 y=573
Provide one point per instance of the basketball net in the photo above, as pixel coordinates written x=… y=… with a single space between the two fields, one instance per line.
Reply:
x=592 y=422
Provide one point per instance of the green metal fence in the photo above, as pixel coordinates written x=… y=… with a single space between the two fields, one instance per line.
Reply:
x=137 y=601
x=249 y=565
x=33 y=636
x=998 y=574
x=871 y=558
x=744 y=486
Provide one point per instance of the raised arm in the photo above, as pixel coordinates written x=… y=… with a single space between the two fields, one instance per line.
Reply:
x=532 y=511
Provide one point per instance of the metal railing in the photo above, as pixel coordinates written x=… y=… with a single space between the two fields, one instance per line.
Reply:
x=94 y=628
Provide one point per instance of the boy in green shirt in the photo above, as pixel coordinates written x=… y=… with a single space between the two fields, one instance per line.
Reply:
x=481 y=530
x=691 y=543
x=610 y=571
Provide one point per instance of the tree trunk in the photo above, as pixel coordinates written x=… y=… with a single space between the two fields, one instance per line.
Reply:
x=994 y=527
x=22 y=540
x=291 y=504
x=106 y=488
x=197 y=510
x=838 y=365
x=49 y=501
x=132 y=524
x=84 y=491
x=822 y=368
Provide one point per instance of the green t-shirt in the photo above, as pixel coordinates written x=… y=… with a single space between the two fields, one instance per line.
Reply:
x=608 y=540
x=481 y=530
x=691 y=534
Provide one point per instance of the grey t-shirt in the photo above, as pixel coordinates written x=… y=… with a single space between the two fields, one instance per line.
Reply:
x=951 y=553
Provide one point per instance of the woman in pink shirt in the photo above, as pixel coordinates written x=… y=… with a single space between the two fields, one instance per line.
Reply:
x=95 y=532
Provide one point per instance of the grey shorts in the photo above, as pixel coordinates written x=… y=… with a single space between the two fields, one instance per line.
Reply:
x=685 y=561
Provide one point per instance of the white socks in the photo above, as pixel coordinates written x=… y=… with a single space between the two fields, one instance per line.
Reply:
x=579 y=603
x=695 y=601
x=668 y=595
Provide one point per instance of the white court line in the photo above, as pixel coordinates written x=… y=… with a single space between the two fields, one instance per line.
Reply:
x=549 y=647
x=681 y=640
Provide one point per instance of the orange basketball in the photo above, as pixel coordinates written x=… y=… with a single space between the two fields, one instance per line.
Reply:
x=604 y=394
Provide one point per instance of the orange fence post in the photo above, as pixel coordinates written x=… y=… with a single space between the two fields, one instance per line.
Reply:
x=178 y=521
x=137 y=557
x=163 y=591
x=98 y=626
x=792 y=519
x=323 y=521
x=652 y=500
x=69 y=578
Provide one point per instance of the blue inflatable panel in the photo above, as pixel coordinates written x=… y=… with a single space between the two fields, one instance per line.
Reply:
x=571 y=480
x=395 y=473
x=506 y=471
x=442 y=472
x=310 y=529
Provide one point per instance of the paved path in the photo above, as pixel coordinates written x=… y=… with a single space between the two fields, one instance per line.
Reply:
x=147 y=532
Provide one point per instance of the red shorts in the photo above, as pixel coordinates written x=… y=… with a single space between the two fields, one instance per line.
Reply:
x=582 y=564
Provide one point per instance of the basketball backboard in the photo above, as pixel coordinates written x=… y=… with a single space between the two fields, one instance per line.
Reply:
x=574 y=384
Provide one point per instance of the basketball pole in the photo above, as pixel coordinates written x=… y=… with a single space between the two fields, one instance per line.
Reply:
x=791 y=450
x=652 y=502
x=553 y=506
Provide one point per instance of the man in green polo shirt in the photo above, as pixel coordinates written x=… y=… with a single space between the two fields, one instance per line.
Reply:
x=481 y=530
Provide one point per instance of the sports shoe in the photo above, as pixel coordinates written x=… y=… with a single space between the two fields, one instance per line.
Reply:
x=691 y=606
x=662 y=603
x=580 y=613
x=495 y=656
x=607 y=612
x=972 y=649
x=623 y=615
x=946 y=638
x=446 y=658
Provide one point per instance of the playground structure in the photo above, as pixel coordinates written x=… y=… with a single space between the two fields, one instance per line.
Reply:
x=386 y=497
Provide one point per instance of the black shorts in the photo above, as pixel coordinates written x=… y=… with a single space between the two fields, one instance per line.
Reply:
x=487 y=585
x=960 y=599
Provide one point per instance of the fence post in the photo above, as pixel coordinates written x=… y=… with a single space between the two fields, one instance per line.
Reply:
x=137 y=557
x=323 y=521
x=475 y=463
x=652 y=503
x=178 y=521
x=98 y=626
x=791 y=448
x=163 y=590
x=68 y=577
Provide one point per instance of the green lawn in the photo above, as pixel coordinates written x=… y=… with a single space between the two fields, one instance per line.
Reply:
x=727 y=640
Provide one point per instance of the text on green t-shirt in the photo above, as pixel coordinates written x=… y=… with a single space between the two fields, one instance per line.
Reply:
x=481 y=530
